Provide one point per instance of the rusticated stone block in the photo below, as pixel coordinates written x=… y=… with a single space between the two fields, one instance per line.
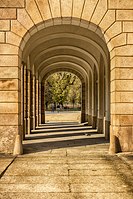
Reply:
x=122 y=120
x=17 y=28
x=44 y=8
x=55 y=7
x=130 y=38
x=114 y=30
x=122 y=108
x=8 y=60
x=9 y=72
x=4 y=25
x=33 y=11
x=9 y=85
x=12 y=38
x=99 y=12
x=125 y=136
x=8 y=49
x=7 y=138
x=66 y=8
x=8 y=13
x=127 y=26
x=12 y=3
x=8 y=96
x=120 y=4
x=124 y=15
x=8 y=108
x=121 y=97
x=2 y=37
x=88 y=9
x=124 y=50
x=8 y=119
x=24 y=19
x=77 y=8
x=108 y=19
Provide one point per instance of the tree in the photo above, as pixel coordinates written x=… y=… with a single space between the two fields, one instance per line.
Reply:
x=61 y=88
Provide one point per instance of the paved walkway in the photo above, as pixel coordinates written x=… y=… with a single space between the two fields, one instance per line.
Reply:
x=66 y=162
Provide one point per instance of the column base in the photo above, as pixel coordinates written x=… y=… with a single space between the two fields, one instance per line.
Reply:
x=94 y=122
x=90 y=120
x=100 y=125
x=107 y=129
x=43 y=119
x=82 y=117
x=18 y=148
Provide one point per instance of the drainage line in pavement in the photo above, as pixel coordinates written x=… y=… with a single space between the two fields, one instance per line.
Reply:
x=3 y=172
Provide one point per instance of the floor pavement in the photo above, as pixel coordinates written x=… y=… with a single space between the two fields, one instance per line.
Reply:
x=66 y=161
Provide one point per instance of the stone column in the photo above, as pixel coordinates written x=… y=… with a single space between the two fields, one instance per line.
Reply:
x=42 y=104
x=29 y=101
x=22 y=101
x=33 y=115
x=37 y=102
x=90 y=100
x=86 y=101
x=100 y=119
x=25 y=100
x=94 y=99
x=83 y=103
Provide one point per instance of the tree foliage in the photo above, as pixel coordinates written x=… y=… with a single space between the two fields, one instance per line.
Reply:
x=62 y=88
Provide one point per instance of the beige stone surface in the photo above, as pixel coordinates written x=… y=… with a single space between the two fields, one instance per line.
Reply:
x=119 y=40
x=7 y=137
x=128 y=26
x=8 y=60
x=99 y=12
x=55 y=8
x=8 y=85
x=12 y=38
x=122 y=85
x=88 y=9
x=125 y=15
x=33 y=11
x=9 y=72
x=4 y=25
x=122 y=108
x=8 y=13
x=66 y=8
x=12 y=3
x=122 y=61
x=8 y=119
x=77 y=8
x=122 y=73
x=18 y=28
x=44 y=8
x=8 y=96
x=2 y=37
x=130 y=38
x=8 y=108
x=120 y=4
x=122 y=97
x=8 y=49
x=122 y=120
x=114 y=30
x=108 y=19
x=126 y=50
x=24 y=19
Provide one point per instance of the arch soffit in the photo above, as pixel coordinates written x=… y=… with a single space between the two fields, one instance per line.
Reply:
x=67 y=65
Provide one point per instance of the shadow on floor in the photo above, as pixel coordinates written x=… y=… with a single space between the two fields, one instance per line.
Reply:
x=40 y=141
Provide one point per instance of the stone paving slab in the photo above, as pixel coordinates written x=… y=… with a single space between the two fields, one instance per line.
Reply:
x=66 y=195
x=82 y=171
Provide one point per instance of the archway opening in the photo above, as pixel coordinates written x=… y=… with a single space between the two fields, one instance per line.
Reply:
x=72 y=48
x=61 y=98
